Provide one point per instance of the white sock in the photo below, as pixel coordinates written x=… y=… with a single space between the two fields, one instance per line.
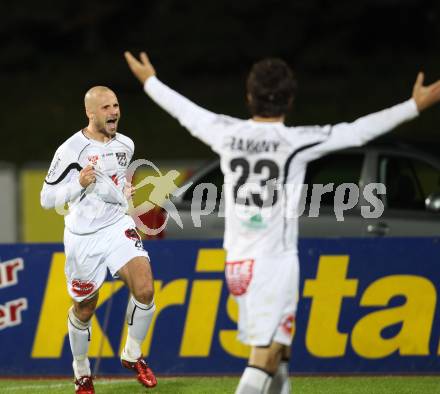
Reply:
x=139 y=317
x=132 y=350
x=79 y=338
x=280 y=382
x=254 y=381
x=81 y=367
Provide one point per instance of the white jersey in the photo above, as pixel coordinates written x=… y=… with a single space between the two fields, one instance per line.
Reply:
x=260 y=160
x=103 y=203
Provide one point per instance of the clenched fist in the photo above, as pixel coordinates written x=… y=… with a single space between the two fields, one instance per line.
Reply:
x=87 y=176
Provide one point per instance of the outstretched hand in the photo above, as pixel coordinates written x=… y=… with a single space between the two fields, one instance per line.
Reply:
x=425 y=96
x=142 y=68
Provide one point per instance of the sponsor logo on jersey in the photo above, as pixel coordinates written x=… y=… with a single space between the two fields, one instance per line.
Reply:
x=82 y=288
x=255 y=222
x=93 y=159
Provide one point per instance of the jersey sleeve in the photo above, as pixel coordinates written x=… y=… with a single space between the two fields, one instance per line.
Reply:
x=62 y=182
x=359 y=132
x=200 y=122
x=128 y=143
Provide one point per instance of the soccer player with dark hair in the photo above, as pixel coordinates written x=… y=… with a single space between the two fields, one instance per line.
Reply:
x=260 y=158
x=88 y=172
x=270 y=89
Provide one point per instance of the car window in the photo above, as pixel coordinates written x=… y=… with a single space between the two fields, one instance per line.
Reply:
x=409 y=181
x=336 y=168
x=214 y=176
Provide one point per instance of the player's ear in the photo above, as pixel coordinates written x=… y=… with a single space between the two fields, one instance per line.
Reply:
x=89 y=114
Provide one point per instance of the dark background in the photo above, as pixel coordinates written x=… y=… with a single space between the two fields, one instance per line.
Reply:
x=350 y=57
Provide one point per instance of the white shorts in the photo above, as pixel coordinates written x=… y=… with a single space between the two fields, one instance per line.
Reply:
x=89 y=256
x=266 y=290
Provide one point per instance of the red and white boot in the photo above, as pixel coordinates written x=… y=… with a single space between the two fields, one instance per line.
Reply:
x=84 y=385
x=145 y=375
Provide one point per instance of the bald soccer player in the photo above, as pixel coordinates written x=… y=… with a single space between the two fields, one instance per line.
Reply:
x=88 y=172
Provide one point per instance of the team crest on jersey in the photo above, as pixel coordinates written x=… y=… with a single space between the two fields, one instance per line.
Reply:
x=122 y=158
x=238 y=276
x=132 y=234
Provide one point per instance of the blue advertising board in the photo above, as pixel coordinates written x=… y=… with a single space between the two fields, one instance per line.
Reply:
x=366 y=306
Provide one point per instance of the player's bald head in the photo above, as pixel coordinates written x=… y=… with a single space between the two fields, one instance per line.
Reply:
x=96 y=94
x=102 y=110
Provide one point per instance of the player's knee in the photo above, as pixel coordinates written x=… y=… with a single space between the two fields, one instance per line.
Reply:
x=272 y=363
x=84 y=315
x=269 y=360
x=84 y=312
x=144 y=294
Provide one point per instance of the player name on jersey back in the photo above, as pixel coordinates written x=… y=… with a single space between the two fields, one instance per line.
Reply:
x=252 y=145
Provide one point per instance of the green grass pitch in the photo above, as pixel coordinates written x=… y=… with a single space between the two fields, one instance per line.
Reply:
x=208 y=385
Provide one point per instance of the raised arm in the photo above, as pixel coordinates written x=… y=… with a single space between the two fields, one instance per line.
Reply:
x=366 y=128
x=196 y=119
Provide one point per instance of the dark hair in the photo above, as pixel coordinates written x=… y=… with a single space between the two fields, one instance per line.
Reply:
x=270 y=88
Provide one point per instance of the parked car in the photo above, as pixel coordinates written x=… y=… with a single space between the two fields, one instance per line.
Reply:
x=411 y=203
